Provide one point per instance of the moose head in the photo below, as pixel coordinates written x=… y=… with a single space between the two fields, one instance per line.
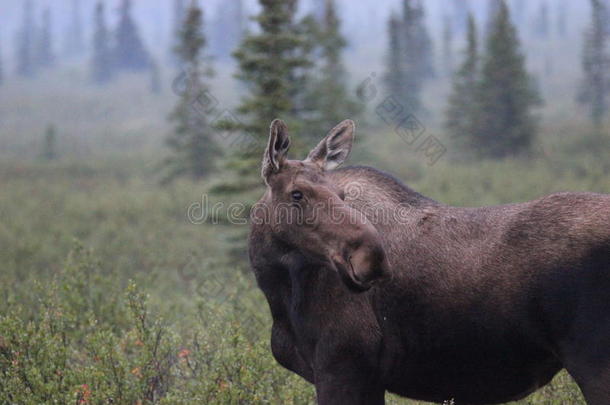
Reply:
x=309 y=213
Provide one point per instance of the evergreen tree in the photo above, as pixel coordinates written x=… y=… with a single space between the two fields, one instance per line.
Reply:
x=329 y=96
x=155 y=78
x=395 y=77
x=410 y=56
x=493 y=8
x=519 y=13
x=178 y=19
x=562 y=18
x=101 y=63
x=318 y=9
x=595 y=88
x=271 y=63
x=129 y=53
x=44 y=56
x=49 y=149
x=228 y=29
x=302 y=79
x=541 y=22
x=505 y=125
x=448 y=45
x=1 y=67
x=462 y=114
x=25 y=42
x=461 y=9
x=606 y=13
x=192 y=143
x=418 y=39
x=75 y=42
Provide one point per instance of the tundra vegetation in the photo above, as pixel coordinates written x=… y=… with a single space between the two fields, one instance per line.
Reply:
x=151 y=310
x=115 y=288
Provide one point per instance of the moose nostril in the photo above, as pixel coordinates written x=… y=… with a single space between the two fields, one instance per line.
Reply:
x=353 y=270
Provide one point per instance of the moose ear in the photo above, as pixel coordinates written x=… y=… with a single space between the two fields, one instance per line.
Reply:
x=334 y=149
x=277 y=148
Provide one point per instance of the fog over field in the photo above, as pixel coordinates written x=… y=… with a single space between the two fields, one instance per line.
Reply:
x=554 y=61
x=122 y=122
x=364 y=22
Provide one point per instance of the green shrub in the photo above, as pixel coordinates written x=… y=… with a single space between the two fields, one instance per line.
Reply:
x=86 y=342
x=156 y=314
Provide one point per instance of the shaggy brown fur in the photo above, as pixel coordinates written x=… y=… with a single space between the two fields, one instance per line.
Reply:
x=480 y=305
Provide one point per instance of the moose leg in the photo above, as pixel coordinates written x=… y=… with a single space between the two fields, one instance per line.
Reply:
x=346 y=374
x=585 y=351
x=346 y=377
x=338 y=391
x=595 y=387
x=589 y=365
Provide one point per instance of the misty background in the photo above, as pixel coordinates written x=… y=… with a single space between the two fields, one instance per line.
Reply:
x=116 y=282
x=554 y=61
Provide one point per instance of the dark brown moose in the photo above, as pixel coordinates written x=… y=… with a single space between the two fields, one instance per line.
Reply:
x=374 y=287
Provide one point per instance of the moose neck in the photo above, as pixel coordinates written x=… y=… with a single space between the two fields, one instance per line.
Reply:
x=393 y=208
x=365 y=185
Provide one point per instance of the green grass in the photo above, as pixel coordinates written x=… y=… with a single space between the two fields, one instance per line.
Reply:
x=154 y=313
x=108 y=294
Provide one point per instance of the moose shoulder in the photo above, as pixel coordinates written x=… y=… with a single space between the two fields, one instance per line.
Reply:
x=373 y=287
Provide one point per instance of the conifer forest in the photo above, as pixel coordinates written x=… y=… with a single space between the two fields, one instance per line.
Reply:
x=131 y=139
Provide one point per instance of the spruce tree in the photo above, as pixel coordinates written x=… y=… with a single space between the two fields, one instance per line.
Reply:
x=228 y=29
x=49 y=149
x=155 y=78
x=410 y=56
x=595 y=87
x=519 y=13
x=493 y=8
x=44 y=56
x=422 y=43
x=447 y=45
x=541 y=22
x=318 y=9
x=25 y=42
x=562 y=18
x=177 y=20
x=506 y=125
x=329 y=98
x=271 y=63
x=129 y=53
x=303 y=80
x=74 y=41
x=395 y=77
x=462 y=114
x=101 y=63
x=461 y=9
x=1 y=67
x=192 y=143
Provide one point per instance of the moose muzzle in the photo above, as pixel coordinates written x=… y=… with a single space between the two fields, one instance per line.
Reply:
x=362 y=261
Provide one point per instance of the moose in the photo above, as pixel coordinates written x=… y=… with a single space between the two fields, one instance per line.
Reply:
x=374 y=287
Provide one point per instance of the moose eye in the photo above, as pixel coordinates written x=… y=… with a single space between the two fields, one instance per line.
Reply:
x=296 y=195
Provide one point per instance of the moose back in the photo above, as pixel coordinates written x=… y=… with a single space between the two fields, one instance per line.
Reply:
x=373 y=287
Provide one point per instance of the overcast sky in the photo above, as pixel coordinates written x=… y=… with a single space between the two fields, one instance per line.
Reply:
x=364 y=21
